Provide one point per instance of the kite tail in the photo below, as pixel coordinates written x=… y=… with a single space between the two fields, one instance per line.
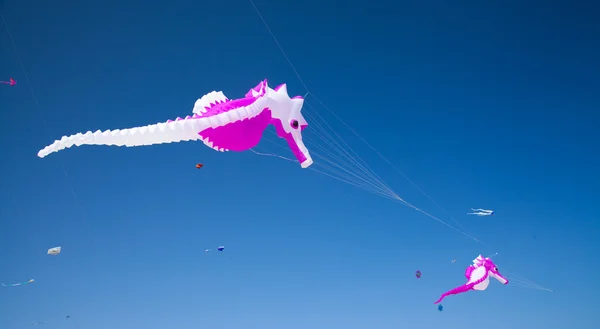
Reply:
x=441 y=298
x=455 y=291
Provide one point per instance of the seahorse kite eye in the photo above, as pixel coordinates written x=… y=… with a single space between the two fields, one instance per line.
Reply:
x=222 y=124
x=478 y=275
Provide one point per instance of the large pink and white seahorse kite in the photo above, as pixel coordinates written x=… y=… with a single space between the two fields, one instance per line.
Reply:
x=478 y=276
x=222 y=124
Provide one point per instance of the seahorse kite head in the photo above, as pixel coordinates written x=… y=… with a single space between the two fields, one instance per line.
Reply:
x=478 y=276
x=222 y=124
x=492 y=269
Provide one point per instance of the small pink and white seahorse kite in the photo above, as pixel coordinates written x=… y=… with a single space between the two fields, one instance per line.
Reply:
x=478 y=276
x=10 y=82
x=222 y=124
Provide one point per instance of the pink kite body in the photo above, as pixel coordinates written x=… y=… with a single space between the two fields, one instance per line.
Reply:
x=10 y=82
x=478 y=276
x=222 y=124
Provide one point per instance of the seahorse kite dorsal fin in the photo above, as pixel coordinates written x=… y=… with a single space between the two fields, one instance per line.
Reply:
x=478 y=261
x=208 y=100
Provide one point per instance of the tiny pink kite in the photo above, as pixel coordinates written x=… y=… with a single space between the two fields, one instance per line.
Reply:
x=10 y=82
x=478 y=275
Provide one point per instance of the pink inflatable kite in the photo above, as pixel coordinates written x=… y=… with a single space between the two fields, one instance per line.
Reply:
x=222 y=124
x=10 y=82
x=478 y=275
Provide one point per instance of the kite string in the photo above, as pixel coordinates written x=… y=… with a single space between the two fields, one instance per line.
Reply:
x=364 y=140
x=344 y=180
x=280 y=47
x=46 y=126
x=345 y=175
x=348 y=126
x=271 y=155
x=298 y=76
x=392 y=196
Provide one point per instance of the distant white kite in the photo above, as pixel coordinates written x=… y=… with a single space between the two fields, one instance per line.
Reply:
x=220 y=248
x=17 y=284
x=54 y=251
x=481 y=212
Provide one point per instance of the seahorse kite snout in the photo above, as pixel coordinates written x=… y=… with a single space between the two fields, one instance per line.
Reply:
x=222 y=124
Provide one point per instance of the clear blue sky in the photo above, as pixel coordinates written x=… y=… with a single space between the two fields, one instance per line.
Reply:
x=482 y=105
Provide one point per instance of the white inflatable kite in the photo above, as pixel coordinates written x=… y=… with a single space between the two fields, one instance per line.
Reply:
x=54 y=251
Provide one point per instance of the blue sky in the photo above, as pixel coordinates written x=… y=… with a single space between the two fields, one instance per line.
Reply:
x=480 y=105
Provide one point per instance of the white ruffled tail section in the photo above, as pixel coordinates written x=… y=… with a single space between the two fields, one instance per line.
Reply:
x=208 y=100
x=160 y=133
